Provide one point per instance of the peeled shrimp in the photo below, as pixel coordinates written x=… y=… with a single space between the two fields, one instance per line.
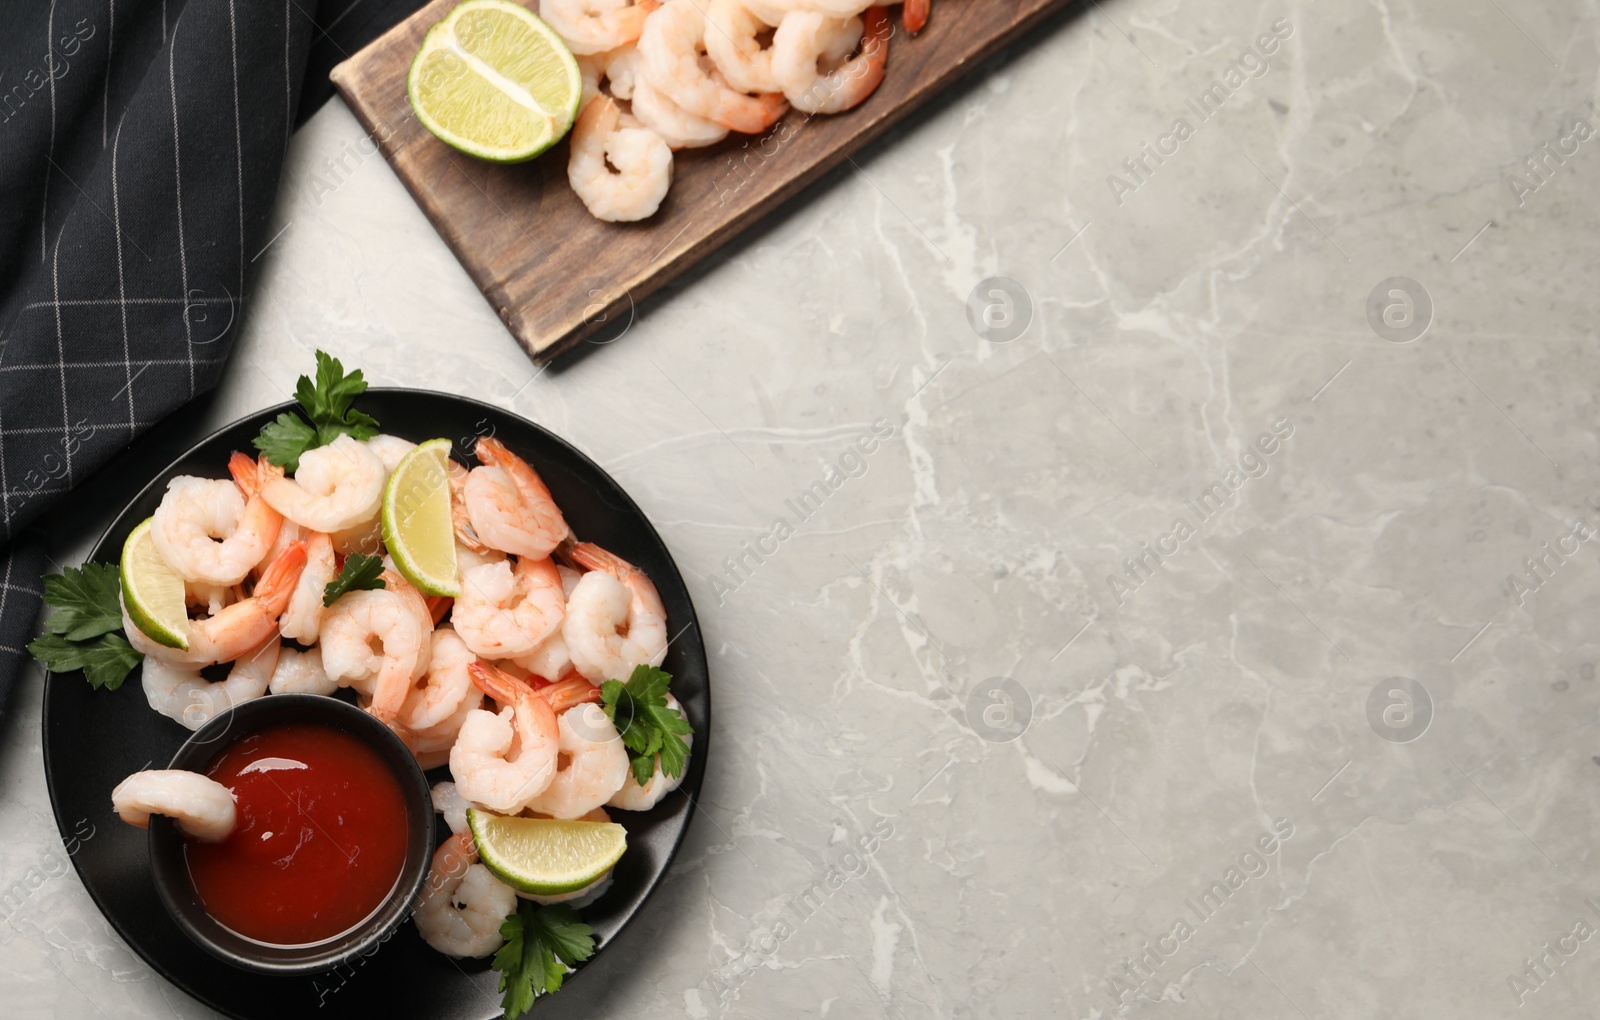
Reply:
x=447 y=801
x=179 y=692
x=732 y=27
x=590 y=767
x=207 y=531
x=676 y=126
x=621 y=67
x=503 y=613
x=503 y=761
x=811 y=59
x=336 y=487
x=633 y=797
x=615 y=619
x=239 y=627
x=832 y=8
x=510 y=507
x=390 y=450
x=462 y=905
x=444 y=688
x=620 y=172
x=301 y=673
x=303 y=616
x=594 y=26
x=671 y=47
x=377 y=642
x=201 y=806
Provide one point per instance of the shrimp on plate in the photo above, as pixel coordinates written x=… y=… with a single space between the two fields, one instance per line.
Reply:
x=621 y=171
x=509 y=506
x=504 y=760
x=209 y=532
x=237 y=628
x=391 y=450
x=633 y=797
x=590 y=766
x=440 y=695
x=812 y=62
x=671 y=49
x=503 y=613
x=615 y=619
x=336 y=487
x=462 y=904
x=448 y=802
x=303 y=616
x=200 y=806
x=181 y=693
x=300 y=672
x=377 y=641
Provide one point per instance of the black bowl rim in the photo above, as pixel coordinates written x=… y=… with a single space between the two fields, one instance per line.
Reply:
x=395 y=908
x=702 y=739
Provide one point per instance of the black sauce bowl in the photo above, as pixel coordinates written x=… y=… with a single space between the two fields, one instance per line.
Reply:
x=170 y=869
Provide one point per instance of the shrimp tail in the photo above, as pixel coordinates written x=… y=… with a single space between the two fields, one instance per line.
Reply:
x=915 y=13
x=497 y=683
x=242 y=467
x=591 y=557
x=278 y=580
x=569 y=692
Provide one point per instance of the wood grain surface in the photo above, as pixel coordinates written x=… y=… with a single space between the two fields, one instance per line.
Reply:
x=555 y=274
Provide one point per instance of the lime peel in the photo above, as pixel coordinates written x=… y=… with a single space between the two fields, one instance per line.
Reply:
x=418 y=530
x=546 y=856
x=152 y=592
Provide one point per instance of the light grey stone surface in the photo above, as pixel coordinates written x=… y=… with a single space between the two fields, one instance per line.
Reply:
x=1172 y=719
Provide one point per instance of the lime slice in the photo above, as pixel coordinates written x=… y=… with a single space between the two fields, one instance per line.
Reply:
x=495 y=82
x=153 y=591
x=417 y=529
x=546 y=856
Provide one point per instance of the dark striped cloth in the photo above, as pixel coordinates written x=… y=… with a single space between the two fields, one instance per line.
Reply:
x=140 y=147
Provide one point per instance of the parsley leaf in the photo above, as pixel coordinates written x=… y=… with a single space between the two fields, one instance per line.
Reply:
x=85 y=601
x=541 y=944
x=359 y=573
x=327 y=403
x=649 y=727
x=106 y=661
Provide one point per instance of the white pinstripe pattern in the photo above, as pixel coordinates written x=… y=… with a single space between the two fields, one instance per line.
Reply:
x=122 y=285
x=238 y=143
x=61 y=346
x=177 y=170
x=44 y=201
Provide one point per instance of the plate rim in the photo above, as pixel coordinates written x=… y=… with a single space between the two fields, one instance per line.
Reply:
x=702 y=740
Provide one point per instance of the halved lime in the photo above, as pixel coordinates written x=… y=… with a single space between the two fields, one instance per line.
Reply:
x=546 y=856
x=495 y=82
x=153 y=591
x=417 y=529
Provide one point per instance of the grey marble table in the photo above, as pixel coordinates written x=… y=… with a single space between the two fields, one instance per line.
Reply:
x=1203 y=629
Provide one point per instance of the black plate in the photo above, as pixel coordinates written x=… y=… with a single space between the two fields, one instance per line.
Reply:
x=94 y=739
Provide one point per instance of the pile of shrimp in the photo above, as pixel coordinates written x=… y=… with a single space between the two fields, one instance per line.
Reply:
x=500 y=684
x=661 y=75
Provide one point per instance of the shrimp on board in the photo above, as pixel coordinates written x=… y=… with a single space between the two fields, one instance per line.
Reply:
x=671 y=49
x=181 y=693
x=236 y=628
x=677 y=127
x=503 y=761
x=620 y=171
x=335 y=488
x=509 y=507
x=504 y=613
x=595 y=26
x=207 y=531
x=615 y=619
x=812 y=62
x=200 y=805
x=733 y=30
x=462 y=904
x=915 y=14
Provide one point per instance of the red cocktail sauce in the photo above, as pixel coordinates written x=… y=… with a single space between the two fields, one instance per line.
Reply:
x=320 y=840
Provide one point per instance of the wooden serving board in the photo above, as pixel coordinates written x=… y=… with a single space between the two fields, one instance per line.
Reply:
x=555 y=274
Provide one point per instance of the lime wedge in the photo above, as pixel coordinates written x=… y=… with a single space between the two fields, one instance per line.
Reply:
x=417 y=529
x=153 y=591
x=495 y=82
x=546 y=856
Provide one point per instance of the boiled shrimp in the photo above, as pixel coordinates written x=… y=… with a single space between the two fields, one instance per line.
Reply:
x=633 y=797
x=207 y=531
x=448 y=802
x=510 y=507
x=238 y=627
x=590 y=767
x=620 y=172
x=301 y=673
x=462 y=905
x=180 y=692
x=915 y=14
x=503 y=613
x=336 y=487
x=676 y=126
x=303 y=616
x=377 y=642
x=812 y=64
x=201 y=806
x=615 y=619
x=439 y=695
x=733 y=28
x=503 y=761
x=594 y=26
x=621 y=67
x=671 y=48
x=391 y=450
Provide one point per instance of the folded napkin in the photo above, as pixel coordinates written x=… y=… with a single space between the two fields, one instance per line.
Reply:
x=140 y=147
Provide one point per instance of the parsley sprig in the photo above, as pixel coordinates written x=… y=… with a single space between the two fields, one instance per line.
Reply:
x=327 y=403
x=81 y=631
x=359 y=573
x=648 y=725
x=542 y=944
